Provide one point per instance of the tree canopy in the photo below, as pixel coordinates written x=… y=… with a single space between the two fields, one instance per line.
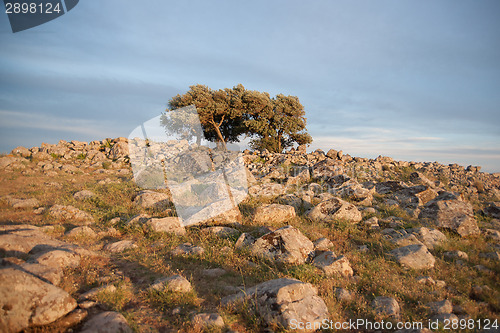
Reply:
x=228 y=114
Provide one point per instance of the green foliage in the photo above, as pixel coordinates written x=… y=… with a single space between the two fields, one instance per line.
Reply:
x=107 y=144
x=227 y=114
x=81 y=156
x=278 y=125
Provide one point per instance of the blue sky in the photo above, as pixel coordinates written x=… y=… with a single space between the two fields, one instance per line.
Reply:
x=414 y=80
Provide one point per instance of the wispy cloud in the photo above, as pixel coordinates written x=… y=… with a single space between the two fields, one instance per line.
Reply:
x=91 y=128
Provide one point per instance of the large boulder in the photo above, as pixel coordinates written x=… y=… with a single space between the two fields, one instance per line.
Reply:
x=335 y=209
x=286 y=302
x=287 y=245
x=274 y=213
x=28 y=301
x=454 y=215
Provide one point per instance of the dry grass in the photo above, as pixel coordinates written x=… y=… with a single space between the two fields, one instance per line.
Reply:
x=133 y=271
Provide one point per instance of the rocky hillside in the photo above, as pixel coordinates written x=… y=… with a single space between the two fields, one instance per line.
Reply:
x=322 y=241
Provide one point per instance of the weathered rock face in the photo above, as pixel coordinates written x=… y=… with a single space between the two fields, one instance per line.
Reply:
x=275 y=212
x=107 y=322
x=28 y=301
x=414 y=256
x=335 y=209
x=287 y=245
x=285 y=302
x=454 y=215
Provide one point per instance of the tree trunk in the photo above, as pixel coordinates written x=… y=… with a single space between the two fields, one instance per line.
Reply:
x=219 y=134
x=279 y=143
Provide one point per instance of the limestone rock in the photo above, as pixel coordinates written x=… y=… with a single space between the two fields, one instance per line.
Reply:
x=208 y=320
x=322 y=244
x=84 y=194
x=152 y=199
x=429 y=237
x=244 y=240
x=175 y=283
x=386 y=307
x=414 y=256
x=120 y=246
x=284 y=301
x=335 y=209
x=455 y=215
x=187 y=249
x=493 y=210
x=295 y=202
x=57 y=259
x=287 y=245
x=22 y=203
x=331 y=264
x=70 y=214
x=166 y=224
x=274 y=213
x=223 y=232
x=28 y=301
x=269 y=190
x=120 y=149
x=46 y=273
x=214 y=272
x=454 y=255
x=107 y=322
x=81 y=232
x=138 y=219
x=343 y=294
x=92 y=293
x=443 y=306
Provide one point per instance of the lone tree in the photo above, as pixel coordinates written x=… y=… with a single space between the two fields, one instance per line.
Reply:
x=220 y=112
x=278 y=123
x=227 y=114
